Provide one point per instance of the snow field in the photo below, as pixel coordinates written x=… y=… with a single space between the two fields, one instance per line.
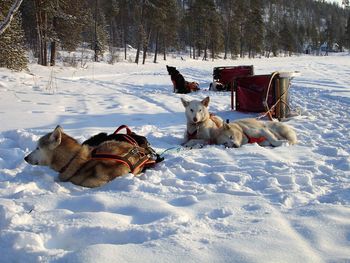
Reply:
x=252 y=204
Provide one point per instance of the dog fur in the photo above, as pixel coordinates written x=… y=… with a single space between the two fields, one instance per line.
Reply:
x=73 y=161
x=201 y=125
x=217 y=86
x=180 y=84
x=265 y=133
x=177 y=79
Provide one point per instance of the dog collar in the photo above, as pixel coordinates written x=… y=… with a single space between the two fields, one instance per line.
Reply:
x=64 y=168
x=192 y=135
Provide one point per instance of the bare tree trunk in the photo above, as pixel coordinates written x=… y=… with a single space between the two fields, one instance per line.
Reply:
x=38 y=27
x=45 y=40
x=156 y=50
x=140 y=33
x=205 y=50
x=53 y=53
x=212 y=51
x=41 y=23
x=164 y=49
x=241 y=52
x=145 y=47
x=6 y=23
x=53 y=45
x=138 y=48
x=125 y=45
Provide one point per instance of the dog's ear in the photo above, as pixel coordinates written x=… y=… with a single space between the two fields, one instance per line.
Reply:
x=185 y=102
x=205 y=102
x=55 y=137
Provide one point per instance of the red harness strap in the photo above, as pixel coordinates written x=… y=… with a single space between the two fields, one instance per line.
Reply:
x=255 y=140
x=192 y=135
x=144 y=158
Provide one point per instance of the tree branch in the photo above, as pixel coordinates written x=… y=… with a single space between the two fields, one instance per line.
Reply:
x=6 y=23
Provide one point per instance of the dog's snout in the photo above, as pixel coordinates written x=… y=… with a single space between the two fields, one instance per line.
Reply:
x=195 y=119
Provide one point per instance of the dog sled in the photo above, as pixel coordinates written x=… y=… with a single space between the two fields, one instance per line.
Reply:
x=224 y=77
x=267 y=94
x=255 y=93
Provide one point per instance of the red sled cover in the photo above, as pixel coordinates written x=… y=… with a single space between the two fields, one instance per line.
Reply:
x=226 y=75
x=251 y=93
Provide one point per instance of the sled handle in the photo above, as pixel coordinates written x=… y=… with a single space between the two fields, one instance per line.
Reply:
x=128 y=131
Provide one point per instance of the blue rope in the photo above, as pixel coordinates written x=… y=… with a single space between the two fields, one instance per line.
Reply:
x=176 y=149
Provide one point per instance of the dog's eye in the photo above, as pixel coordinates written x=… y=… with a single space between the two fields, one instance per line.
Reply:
x=200 y=110
x=37 y=148
x=191 y=110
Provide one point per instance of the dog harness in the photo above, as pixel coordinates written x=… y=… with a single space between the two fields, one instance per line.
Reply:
x=193 y=135
x=137 y=150
x=254 y=139
x=144 y=158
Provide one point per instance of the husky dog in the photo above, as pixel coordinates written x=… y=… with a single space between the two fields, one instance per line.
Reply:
x=217 y=86
x=201 y=125
x=177 y=79
x=179 y=82
x=76 y=163
x=265 y=133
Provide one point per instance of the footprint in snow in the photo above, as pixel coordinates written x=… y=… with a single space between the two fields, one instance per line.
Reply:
x=184 y=201
x=220 y=213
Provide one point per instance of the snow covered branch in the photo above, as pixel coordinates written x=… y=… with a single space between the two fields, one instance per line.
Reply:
x=6 y=23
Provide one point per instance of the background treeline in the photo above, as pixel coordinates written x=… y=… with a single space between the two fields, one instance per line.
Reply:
x=202 y=28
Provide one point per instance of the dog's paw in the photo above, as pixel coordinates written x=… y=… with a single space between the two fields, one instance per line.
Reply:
x=193 y=145
x=280 y=143
x=197 y=146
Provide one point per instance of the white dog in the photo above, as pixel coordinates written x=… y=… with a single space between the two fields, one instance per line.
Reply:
x=265 y=133
x=201 y=125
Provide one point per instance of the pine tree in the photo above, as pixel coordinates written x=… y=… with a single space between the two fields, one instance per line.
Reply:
x=286 y=37
x=12 y=52
x=271 y=31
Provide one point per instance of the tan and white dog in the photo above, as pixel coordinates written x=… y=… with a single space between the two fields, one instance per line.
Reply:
x=76 y=163
x=201 y=125
x=265 y=133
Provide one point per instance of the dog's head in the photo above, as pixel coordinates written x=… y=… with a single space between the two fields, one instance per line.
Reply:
x=230 y=135
x=196 y=111
x=46 y=146
x=171 y=70
x=216 y=86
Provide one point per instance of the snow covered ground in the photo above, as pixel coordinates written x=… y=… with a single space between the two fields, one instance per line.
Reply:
x=252 y=204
